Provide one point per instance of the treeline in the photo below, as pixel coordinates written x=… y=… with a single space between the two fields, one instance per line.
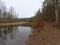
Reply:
x=50 y=13
x=26 y=19
x=7 y=15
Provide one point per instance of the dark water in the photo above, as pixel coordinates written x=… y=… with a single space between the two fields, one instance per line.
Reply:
x=14 y=35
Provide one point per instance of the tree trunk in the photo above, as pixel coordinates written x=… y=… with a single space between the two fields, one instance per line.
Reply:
x=56 y=11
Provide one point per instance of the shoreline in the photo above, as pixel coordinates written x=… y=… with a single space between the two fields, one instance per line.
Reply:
x=13 y=24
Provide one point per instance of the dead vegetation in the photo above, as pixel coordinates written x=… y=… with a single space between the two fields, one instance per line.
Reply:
x=48 y=36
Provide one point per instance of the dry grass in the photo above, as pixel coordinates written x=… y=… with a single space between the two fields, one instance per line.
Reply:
x=48 y=36
x=13 y=24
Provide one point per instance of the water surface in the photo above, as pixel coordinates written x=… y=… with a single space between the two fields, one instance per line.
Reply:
x=14 y=35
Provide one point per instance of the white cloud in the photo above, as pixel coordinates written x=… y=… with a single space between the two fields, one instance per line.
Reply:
x=25 y=8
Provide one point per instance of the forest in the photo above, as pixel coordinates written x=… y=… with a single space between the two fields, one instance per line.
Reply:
x=7 y=15
x=50 y=13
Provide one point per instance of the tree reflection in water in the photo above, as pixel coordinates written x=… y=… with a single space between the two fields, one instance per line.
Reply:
x=7 y=32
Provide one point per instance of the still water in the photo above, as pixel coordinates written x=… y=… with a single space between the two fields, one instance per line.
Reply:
x=14 y=35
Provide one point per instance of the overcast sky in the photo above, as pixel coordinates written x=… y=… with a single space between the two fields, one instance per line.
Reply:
x=25 y=8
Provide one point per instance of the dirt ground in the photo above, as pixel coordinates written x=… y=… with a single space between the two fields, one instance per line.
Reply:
x=49 y=35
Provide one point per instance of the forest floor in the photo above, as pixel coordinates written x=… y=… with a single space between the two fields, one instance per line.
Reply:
x=49 y=35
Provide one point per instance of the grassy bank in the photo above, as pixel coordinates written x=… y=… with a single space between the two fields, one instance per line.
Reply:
x=49 y=35
x=13 y=24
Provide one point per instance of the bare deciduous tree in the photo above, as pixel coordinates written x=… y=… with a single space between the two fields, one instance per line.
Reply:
x=56 y=11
